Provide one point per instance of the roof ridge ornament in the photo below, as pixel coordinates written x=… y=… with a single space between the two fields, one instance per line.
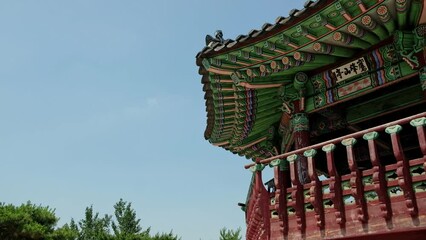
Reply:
x=218 y=38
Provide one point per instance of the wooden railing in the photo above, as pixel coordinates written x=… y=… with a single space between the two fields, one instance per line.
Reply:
x=258 y=210
x=381 y=199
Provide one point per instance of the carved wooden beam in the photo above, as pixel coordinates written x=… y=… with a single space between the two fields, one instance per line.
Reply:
x=360 y=33
x=369 y=23
x=386 y=18
x=333 y=50
x=349 y=40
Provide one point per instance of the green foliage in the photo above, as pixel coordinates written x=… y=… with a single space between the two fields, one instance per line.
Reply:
x=93 y=227
x=165 y=236
x=27 y=221
x=66 y=232
x=127 y=226
x=227 y=234
x=31 y=222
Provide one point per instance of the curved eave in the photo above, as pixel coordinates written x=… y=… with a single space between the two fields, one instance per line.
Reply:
x=268 y=29
x=241 y=77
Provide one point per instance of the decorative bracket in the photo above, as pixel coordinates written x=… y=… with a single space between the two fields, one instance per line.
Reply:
x=256 y=168
x=278 y=163
x=410 y=45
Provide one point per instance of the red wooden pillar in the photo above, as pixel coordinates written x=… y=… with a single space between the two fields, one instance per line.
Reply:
x=300 y=124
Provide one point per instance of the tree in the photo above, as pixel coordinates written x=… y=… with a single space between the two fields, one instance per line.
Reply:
x=93 y=227
x=31 y=222
x=66 y=232
x=165 y=236
x=27 y=222
x=227 y=234
x=127 y=226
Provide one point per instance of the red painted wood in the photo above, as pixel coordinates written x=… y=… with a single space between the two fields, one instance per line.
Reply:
x=404 y=175
x=422 y=142
x=357 y=187
x=379 y=180
x=297 y=196
x=281 y=199
x=422 y=139
x=336 y=190
x=413 y=234
x=338 y=140
x=301 y=140
x=385 y=217
x=258 y=216
x=316 y=197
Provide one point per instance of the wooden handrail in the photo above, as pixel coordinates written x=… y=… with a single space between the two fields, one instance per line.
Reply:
x=367 y=199
x=338 y=140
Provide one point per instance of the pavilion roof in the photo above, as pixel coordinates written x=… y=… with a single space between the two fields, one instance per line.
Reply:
x=244 y=79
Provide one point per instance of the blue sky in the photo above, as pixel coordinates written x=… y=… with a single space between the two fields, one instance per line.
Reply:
x=101 y=100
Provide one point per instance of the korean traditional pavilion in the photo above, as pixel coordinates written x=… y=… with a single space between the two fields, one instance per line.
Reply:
x=331 y=99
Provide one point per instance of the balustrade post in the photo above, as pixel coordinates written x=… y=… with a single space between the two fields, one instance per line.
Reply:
x=357 y=187
x=297 y=194
x=379 y=172
x=335 y=184
x=403 y=170
x=315 y=189
x=281 y=192
x=419 y=124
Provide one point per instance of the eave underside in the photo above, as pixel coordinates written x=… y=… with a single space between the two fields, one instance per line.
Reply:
x=247 y=80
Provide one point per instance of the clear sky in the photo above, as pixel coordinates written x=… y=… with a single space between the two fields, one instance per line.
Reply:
x=101 y=100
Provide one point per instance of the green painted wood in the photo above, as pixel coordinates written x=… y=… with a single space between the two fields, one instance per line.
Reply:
x=393 y=129
x=415 y=12
x=329 y=147
x=349 y=142
x=372 y=25
x=249 y=54
x=360 y=33
x=386 y=18
x=314 y=59
x=418 y=122
x=402 y=7
x=332 y=50
x=266 y=79
x=383 y=104
x=343 y=38
x=335 y=34
x=370 y=136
